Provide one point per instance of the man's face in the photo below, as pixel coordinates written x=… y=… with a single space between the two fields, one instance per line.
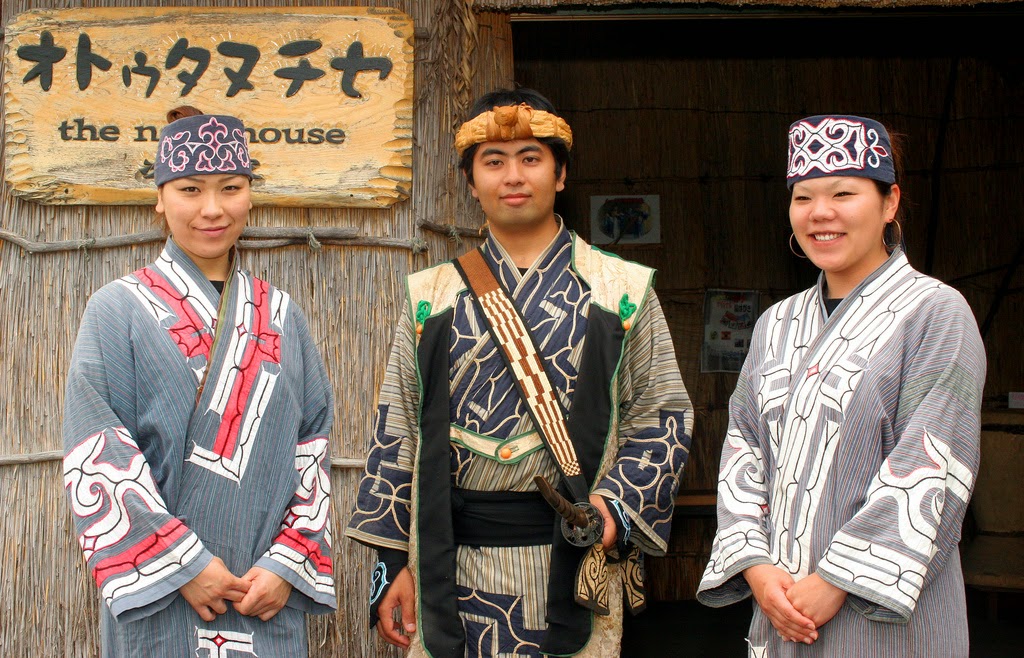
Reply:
x=516 y=184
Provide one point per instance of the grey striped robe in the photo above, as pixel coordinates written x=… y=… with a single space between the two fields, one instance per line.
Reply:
x=162 y=473
x=852 y=449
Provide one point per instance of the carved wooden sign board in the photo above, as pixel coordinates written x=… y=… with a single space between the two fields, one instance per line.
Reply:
x=325 y=94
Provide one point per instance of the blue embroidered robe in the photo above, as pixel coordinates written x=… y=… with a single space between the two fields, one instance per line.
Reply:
x=639 y=451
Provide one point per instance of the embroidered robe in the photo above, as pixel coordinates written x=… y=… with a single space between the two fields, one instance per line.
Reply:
x=196 y=425
x=852 y=449
x=639 y=450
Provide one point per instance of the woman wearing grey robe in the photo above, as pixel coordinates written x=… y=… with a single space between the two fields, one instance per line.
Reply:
x=853 y=438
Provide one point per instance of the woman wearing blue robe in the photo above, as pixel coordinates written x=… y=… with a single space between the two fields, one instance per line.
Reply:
x=197 y=459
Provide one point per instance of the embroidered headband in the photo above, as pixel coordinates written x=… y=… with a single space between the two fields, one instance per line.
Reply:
x=839 y=145
x=509 y=122
x=202 y=144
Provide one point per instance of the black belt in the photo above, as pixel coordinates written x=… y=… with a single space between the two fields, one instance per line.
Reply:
x=501 y=518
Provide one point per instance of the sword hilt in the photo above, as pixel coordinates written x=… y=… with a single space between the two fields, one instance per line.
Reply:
x=582 y=523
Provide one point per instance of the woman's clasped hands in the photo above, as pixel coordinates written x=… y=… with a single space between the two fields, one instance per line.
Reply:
x=259 y=593
x=797 y=610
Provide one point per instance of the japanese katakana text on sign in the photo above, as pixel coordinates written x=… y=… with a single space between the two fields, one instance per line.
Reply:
x=325 y=93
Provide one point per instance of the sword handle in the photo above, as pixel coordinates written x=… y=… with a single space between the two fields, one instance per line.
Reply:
x=574 y=515
x=582 y=524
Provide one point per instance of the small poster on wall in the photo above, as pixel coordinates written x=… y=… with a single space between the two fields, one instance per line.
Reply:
x=729 y=317
x=625 y=219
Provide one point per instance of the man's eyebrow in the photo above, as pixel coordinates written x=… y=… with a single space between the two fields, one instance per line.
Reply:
x=497 y=150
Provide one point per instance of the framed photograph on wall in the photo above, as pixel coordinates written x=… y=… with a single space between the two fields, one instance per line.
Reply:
x=625 y=219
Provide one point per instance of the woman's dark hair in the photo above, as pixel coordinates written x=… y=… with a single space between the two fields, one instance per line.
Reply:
x=892 y=235
x=509 y=97
x=183 y=111
x=173 y=115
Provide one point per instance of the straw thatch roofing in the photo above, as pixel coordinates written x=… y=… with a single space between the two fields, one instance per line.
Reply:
x=675 y=5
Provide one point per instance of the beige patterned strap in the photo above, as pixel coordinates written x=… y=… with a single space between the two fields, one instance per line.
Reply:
x=514 y=339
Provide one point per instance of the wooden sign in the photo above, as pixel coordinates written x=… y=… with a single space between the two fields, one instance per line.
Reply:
x=325 y=94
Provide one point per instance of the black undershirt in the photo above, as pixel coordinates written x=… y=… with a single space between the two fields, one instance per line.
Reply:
x=219 y=285
x=832 y=304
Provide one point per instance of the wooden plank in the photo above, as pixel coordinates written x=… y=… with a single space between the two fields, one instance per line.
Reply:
x=326 y=93
x=696 y=502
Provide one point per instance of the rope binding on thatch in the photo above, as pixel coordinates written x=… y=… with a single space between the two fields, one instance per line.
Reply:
x=253 y=237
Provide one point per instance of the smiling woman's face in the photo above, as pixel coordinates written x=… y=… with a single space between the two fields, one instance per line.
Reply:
x=839 y=222
x=206 y=215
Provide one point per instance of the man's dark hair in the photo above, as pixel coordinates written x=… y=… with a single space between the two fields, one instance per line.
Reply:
x=508 y=97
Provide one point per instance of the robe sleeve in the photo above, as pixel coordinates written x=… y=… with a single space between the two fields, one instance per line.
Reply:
x=138 y=553
x=741 y=540
x=900 y=540
x=655 y=426
x=382 y=514
x=301 y=553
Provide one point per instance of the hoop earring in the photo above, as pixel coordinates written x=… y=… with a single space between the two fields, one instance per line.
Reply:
x=898 y=242
x=795 y=252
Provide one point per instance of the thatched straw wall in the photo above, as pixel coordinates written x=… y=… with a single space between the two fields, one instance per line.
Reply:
x=350 y=294
x=689 y=110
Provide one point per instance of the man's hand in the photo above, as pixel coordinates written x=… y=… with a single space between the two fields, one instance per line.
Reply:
x=816 y=598
x=267 y=594
x=610 y=529
x=209 y=592
x=769 y=585
x=401 y=595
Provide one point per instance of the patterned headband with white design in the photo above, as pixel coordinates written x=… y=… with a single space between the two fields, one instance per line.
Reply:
x=202 y=144
x=839 y=145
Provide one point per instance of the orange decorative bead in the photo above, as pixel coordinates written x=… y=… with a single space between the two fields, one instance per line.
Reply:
x=626 y=324
x=506 y=453
x=419 y=329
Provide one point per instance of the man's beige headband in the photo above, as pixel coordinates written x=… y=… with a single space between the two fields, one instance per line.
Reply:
x=506 y=123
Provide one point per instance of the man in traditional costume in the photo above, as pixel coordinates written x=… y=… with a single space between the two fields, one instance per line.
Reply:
x=853 y=438
x=534 y=355
x=196 y=430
